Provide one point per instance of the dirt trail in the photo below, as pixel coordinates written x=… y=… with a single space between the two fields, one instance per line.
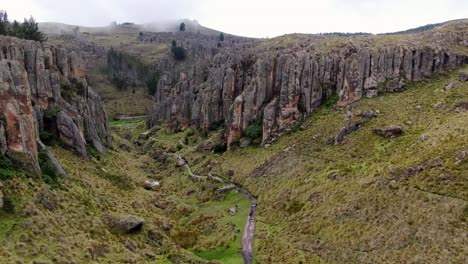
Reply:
x=249 y=231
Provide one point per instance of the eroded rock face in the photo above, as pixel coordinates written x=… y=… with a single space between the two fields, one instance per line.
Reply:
x=281 y=84
x=37 y=79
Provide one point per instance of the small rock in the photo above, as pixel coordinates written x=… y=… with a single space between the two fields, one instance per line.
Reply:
x=130 y=224
x=451 y=85
x=233 y=211
x=125 y=147
x=372 y=93
x=439 y=105
x=287 y=149
x=418 y=107
x=461 y=156
x=267 y=145
x=205 y=146
x=145 y=135
x=389 y=132
x=366 y=114
x=409 y=122
x=395 y=85
x=149 y=185
x=422 y=138
x=245 y=142
x=463 y=77
x=393 y=169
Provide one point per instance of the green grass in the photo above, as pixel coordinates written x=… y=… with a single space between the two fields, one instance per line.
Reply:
x=122 y=122
x=229 y=254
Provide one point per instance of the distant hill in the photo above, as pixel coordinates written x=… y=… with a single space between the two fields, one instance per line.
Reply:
x=55 y=28
x=421 y=28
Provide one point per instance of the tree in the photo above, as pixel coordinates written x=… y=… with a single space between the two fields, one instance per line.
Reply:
x=174 y=43
x=76 y=30
x=29 y=29
x=182 y=27
x=4 y=23
x=221 y=36
x=179 y=53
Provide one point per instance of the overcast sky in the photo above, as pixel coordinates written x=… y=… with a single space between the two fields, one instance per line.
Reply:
x=254 y=18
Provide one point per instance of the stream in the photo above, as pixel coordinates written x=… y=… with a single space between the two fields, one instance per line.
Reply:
x=249 y=230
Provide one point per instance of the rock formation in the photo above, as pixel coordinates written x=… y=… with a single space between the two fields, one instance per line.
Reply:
x=279 y=83
x=44 y=88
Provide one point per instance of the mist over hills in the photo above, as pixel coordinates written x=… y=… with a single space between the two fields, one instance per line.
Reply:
x=171 y=143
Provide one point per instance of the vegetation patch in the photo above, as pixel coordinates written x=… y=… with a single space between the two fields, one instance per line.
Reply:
x=50 y=175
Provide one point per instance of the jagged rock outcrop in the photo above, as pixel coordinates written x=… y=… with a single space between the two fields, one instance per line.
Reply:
x=280 y=82
x=44 y=88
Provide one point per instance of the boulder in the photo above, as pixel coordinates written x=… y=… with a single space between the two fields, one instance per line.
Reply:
x=129 y=224
x=70 y=134
x=340 y=137
x=389 y=132
x=125 y=147
x=366 y=114
x=395 y=85
x=205 y=146
x=245 y=142
x=149 y=185
x=463 y=76
x=451 y=85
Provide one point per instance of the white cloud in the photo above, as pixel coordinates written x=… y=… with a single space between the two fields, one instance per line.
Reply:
x=257 y=18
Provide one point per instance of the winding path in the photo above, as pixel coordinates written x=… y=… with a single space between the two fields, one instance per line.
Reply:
x=249 y=230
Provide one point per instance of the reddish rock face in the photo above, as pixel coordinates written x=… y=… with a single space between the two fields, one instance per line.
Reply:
x=32 y=76
x=17 y=119
x=281 y=83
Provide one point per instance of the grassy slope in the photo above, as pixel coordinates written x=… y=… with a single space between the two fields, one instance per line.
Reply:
x=129 y=101
x=352 y=202
x=112 y=185
x=351 y=207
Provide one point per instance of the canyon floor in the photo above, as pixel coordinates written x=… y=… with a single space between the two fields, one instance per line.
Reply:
x=367 y=199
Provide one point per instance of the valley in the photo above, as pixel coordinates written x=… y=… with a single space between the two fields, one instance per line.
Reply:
x=303 y=148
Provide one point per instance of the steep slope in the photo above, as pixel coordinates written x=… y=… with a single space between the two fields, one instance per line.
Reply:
x=279 y=80
x=363 y=198
x=44 y=94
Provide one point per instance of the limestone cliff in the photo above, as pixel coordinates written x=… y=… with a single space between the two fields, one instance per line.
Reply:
x=282 y=79
x=43 y=88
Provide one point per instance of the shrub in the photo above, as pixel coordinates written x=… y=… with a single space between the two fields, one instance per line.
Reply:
x=220 y=147
x=216 y=125
x=52 y=113
x=8 y=205
x=94 y=153
x=152 y=83
x=255 y=129
x=50 y=175
x=182 y=27
x=7 y=169
x=179 y=53
x=331 y=101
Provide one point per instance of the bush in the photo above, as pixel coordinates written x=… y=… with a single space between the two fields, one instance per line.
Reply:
x=7 y=169
x=50 y=175
x=216 y=125
x=331 y=101
x=8 y=205
x=51 y=113
x=220 y=147
x=179 y=53
x=255 y=129
x=94 y=153
x=152 y=83
x=29 y=29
